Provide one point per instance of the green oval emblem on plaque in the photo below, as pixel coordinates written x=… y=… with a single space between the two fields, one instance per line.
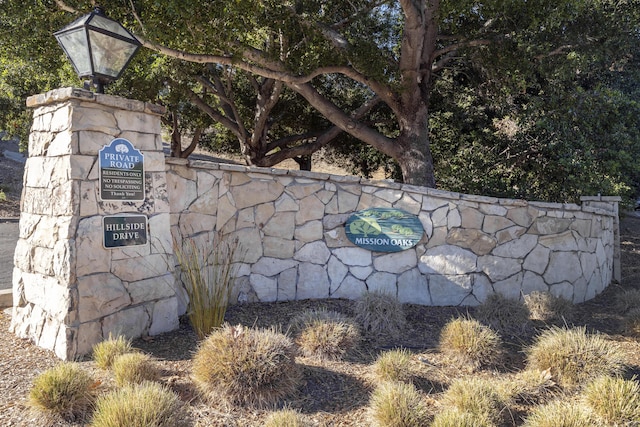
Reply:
x=384 y=229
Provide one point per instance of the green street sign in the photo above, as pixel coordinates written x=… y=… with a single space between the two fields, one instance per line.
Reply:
x=121 y=172
x=384 y=229
x=124 y=230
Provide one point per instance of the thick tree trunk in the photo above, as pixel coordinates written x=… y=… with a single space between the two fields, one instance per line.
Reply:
x=415 y=160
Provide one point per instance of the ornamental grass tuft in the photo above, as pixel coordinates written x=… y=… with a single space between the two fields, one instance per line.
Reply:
x=505 y=315
x=397 y=404
x=148 y=404
x=394 y=365
x=105 y=352
x=547 y=307
x=380 y=313
x=470 y=341
x=286 y=418
x=324 y=334
x=483 y=399
x=614 y=400
x=574 y=357
x=208 y=275
x=560 y=413
x=246 y=366
x=65 y=390
x=134 y=368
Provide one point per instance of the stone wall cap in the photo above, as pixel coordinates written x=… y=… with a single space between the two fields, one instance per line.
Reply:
x=600 y=198
x=176 y=161
x=381 y=183
x=204 y=164
x=233 y=168
x=59 y=95
x=69 y=93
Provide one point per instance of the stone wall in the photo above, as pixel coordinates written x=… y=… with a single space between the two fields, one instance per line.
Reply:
x=291 y=224
x=71 y=291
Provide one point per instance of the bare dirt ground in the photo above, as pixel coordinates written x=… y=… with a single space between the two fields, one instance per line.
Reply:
x=334 y=393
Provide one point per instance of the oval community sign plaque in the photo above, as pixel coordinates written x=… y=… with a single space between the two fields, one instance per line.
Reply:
x=384 y=229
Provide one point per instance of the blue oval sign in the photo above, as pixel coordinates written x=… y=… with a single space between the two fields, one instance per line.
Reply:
x=384 y=229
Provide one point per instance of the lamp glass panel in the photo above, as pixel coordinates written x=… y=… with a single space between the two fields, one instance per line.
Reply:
x=75 y=46
x=109 y=25
x=110 y=55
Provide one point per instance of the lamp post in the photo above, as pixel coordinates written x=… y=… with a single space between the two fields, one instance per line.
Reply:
x=98 y=47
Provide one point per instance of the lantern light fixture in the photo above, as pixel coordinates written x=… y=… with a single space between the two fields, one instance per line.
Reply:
x=98 y=47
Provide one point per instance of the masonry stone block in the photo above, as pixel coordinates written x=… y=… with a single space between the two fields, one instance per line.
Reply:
x=498 y=268
x=350 y=288
x=396 y=262
x=382 y=282
x=448 y=260
x=313 y=282
x=563 y=266
x=413 y=288
x=449 y=290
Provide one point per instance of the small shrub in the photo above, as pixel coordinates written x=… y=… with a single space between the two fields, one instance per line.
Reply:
x=324 y=334
x=65 y=390
x=246 y=366
x=105 y=352
x=626 y=300
x=142 y=405
x=573 y=356
x=208 y=275
x=615 y=400
x=453 y=417
x=472 y=342
x=286 y=418
x=505 y=315
x=479 y=397
x=134 y=368
x=380 y=313
x=631 y=323
x=547 y=307
x=394 y=365
x=396 y=404
x=559 y=414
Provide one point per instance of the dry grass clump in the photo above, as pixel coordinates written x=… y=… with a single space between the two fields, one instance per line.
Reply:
x=394 y=365
x=65 y=390
x=626 y=300
x=615 y=400
x=631 y=323
x=246 y=366
x=574 y=357
x=380 y=313
x=324 y=334
x=105 y=352
x=559 y=413
x=547 y=307
x=531 y=386
x=134 y=368
x=397 y=404
x=485 y=400
x=453 y=417
x=471 y=342
x=286 y=418
x=505 y=315
x=142 y=405
x=208 y=274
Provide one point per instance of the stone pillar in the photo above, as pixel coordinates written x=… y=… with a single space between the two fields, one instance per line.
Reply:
x=69 y=290
x=610 y=204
